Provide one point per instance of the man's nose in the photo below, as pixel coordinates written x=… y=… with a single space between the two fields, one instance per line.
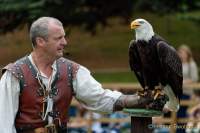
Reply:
x=64 y=41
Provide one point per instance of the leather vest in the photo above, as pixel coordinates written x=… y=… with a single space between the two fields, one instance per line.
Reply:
x=31 y=93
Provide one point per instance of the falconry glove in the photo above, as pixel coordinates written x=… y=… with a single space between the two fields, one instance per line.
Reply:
x=136 y=101
x=131 y=101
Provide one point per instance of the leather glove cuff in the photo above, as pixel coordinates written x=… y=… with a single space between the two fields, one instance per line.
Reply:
x=126 y=101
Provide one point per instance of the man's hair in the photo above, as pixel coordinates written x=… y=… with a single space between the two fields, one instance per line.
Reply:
x=39 y=28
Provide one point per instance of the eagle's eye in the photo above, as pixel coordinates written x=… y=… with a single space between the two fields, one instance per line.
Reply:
x=141 y=22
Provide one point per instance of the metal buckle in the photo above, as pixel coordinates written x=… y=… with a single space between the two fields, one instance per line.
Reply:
x=50 y=128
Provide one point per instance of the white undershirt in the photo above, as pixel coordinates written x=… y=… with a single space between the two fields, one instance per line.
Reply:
x=88 y=91
x=190 y=71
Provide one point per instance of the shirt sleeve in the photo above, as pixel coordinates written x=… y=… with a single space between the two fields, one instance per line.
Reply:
x=9 y=99
x=90 y=93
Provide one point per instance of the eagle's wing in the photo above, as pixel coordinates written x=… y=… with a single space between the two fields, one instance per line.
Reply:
x=135 y=62
x=172 y=66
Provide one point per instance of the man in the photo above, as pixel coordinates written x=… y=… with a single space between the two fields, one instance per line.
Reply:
x=36 y=90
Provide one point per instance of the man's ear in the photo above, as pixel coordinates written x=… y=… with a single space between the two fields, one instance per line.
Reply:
x=40 y=41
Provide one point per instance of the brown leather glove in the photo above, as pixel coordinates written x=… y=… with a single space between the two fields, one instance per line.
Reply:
x=132 y=101
x=136 y=101
x=159 y=103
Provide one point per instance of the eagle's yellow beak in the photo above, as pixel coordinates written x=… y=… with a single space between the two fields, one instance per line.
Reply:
x=134 y=24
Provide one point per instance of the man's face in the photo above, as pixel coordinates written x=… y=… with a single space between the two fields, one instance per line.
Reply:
x=55 y=42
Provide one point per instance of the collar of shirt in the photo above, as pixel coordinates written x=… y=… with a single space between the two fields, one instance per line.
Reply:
x=42 y=74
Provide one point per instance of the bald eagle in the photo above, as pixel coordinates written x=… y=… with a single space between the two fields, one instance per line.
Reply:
x=155 y=63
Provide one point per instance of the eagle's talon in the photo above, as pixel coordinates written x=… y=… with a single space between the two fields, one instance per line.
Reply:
x=156 y=95
x=157 y=92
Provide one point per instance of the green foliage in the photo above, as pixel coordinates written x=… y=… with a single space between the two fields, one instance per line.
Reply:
x=157 y=6
x=166 y=6
x=191 y=11
x=86 y=13
x=192 y=16
x=14 y=13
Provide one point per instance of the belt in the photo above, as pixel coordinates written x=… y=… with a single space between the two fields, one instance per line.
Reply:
x=51 y=128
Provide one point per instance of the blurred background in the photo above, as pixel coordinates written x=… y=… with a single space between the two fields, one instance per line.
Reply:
x=98 y=31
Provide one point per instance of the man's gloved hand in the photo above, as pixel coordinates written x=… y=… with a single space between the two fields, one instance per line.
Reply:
x=132 y=101
x=136 y=101
x=158 y=103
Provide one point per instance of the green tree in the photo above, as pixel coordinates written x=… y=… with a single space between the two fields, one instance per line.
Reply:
x=87 y=13
x=167 y=6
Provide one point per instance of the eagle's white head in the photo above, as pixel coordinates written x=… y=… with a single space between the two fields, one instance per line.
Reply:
x=143 y=29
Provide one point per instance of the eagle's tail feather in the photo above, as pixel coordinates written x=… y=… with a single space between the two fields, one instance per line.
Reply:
x=173 y=103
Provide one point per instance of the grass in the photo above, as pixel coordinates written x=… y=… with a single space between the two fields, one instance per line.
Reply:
x=125 y=77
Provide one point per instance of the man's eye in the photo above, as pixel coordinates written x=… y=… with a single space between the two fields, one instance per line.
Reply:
x=58 y=38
